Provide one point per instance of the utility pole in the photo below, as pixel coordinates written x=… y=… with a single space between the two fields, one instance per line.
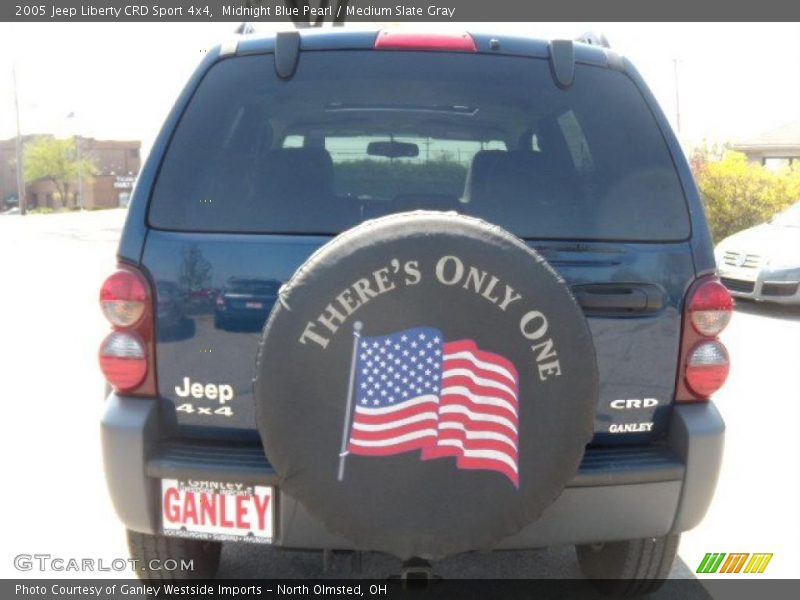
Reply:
x=80 y=170
x=20 y=179
x=79 y=201
x=677 y=96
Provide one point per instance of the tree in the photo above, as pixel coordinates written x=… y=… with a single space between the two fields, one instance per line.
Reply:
x=707 y=152
x=56 y=160
x=194 y=272
x=738 y=194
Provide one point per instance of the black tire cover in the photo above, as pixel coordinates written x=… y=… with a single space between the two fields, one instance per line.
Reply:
x=487 y=305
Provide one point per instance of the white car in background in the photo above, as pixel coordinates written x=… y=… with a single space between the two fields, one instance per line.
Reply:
x=763 y=262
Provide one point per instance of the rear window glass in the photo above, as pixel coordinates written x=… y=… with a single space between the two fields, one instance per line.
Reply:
x=360 y=134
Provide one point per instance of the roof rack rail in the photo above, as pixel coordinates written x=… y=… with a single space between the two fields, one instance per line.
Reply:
x=245 y=28
x=593 y=39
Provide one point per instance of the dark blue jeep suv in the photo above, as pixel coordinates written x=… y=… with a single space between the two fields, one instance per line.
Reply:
x=438 y=293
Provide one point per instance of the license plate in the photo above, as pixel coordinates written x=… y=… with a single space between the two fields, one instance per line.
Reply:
x=254 y=305
x=217 y=510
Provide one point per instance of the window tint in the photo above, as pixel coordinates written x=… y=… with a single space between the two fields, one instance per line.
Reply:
x=355 y=135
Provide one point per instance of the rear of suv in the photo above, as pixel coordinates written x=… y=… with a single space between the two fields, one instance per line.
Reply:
x=277 y=146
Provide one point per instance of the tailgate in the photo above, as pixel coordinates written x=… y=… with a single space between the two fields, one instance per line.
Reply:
x=206 y=356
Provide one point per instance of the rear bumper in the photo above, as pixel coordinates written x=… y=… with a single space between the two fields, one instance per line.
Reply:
x=617 y=494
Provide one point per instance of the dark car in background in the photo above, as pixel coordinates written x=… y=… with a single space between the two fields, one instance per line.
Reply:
x=245 y=302
x=284 y=148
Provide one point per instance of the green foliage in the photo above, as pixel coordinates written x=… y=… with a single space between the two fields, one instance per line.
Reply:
x=41 y=210
x=385 y=179
x=56 y=160
x=738 y=194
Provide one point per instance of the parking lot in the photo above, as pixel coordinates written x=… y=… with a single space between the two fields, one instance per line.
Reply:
x=54 y=490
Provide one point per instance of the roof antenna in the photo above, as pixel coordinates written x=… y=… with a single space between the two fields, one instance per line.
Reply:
x=341 y=13
x=593 y=38
x=298 y=8
x=245 y=28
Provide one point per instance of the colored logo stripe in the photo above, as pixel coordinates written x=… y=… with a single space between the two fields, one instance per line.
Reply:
x=710 y=562
x=734 y=562
x=713 y=562
x=758 y=563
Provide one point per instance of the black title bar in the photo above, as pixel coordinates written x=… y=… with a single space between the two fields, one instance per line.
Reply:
x=378 y=589
x=318 y=12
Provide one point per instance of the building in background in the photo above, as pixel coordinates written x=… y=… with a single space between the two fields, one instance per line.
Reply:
x=774 y=149
x=117 y=161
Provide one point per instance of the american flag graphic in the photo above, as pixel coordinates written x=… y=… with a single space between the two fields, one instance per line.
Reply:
x=414 y=391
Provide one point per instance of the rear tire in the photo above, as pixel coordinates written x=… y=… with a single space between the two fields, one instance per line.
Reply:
x=628 y=568
x=144 y=548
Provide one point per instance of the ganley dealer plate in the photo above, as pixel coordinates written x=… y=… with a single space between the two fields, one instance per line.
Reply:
x=217 y=510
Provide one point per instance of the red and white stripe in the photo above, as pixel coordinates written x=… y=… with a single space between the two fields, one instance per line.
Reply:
x=408 y=425
x=478 y=411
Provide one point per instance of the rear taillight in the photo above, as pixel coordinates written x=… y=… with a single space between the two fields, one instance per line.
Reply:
x=707 y=368
x=710 y=308
x=704 y=359
x=123 y=359
x=123 y=298
x=404 y=40
x=127 y=353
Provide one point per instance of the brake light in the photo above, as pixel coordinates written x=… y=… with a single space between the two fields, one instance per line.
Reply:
x=710 y=308
x=127 y=354
x=704 y=359
x=445 y=42
x=123 y=298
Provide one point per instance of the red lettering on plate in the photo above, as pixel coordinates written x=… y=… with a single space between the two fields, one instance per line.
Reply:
x=189 y=508
x=208 y=509
x=261 y=510
x=223 y=522
x=241 y=512
x=172 y=511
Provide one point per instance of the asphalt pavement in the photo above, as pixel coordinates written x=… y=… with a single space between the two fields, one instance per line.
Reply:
x=51 y=268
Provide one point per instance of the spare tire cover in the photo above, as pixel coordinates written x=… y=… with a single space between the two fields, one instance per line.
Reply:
x=469 y=373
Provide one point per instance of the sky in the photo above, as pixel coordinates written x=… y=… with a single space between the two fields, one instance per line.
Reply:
x=120 y=79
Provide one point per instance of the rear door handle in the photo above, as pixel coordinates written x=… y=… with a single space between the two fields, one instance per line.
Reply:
x=619 y=298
